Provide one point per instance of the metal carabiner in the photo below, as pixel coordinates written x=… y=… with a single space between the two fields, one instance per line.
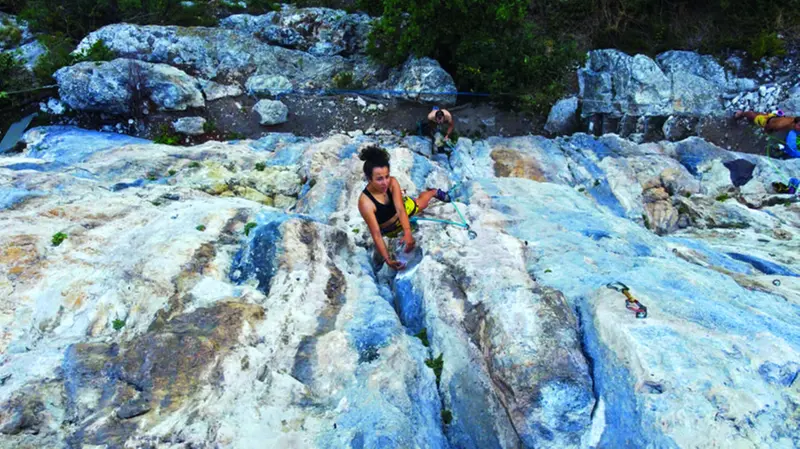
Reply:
x=618 y=286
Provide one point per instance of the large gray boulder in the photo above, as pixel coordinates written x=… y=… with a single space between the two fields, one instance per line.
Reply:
x=791 y=105
x=423 y=79
x=678 y=82
x=319 y=31
x=615 y=83
x=563 y=117
x=694 y=95
x=191 y=126
x=311 y=48
x=272 y=112
x=215 y=91
x=264 y=85
x=224 y=55
x=703 y=66
x=118 y=86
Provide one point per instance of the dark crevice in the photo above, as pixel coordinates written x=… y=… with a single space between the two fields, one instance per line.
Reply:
x=445 y=414
x=589 y=360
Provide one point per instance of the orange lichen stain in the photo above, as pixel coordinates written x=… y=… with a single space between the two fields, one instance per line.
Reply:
x=19 y=256
x=54 y=213
x=75 y=299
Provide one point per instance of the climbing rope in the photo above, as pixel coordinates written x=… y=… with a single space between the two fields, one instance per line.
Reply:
x=631 y=303
x=472 y=234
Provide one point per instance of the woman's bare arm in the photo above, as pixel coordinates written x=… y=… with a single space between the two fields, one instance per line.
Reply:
x=367 y=210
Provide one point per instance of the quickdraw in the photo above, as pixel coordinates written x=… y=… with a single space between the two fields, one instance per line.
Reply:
x=631 y=303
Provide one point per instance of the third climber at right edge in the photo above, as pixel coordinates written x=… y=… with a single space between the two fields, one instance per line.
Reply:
x=770 y=122
x=792 y=139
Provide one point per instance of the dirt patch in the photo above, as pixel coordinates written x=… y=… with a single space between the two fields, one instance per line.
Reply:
x=314 y=116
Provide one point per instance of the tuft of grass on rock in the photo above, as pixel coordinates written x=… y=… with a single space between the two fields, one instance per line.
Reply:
x=436 y=365
x=58 y=238
x=423 y=337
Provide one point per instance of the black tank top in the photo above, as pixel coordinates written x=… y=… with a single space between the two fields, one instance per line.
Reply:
x=383 y=212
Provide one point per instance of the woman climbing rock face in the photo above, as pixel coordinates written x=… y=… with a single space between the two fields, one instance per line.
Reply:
x=383 y=206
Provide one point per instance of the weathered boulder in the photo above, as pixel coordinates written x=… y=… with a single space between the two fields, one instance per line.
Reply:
x=423 y=79
x=676 y=83
x=319 y=31
x=122 y=85
x=615 y=83
x=223 y=55
x=695 y=96
x=215 y=91
x=791 y=105
x=563 y=117
x=272 y=112
x=263 y=85
x=689 y=62
x=191 y=126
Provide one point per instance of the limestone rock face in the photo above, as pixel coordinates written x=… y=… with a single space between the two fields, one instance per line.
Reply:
x=225 y=295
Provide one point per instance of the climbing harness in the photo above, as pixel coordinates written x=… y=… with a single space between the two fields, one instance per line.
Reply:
x=631 y=303
x=472 y=234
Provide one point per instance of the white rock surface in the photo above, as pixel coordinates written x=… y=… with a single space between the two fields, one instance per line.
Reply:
x=164 y=316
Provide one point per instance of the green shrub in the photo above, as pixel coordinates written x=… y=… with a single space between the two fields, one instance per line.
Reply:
x=447 y=416
x=13 y=77
x=209 y=126
x=423 y=337
x=260 y=166
x=723 y=197
x=436 y=365
x=57 y=56
x=767 y=44
x=201 y=228
x=99 y=51
x=118 y=324
x=165 y=136
x=346 y=80
x=249 y=227
x=488 y=46
x=77 y=18
x=58 y=238
x=10 y=34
